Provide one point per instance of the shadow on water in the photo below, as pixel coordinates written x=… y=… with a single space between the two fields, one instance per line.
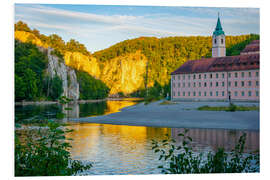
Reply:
x=77 y=110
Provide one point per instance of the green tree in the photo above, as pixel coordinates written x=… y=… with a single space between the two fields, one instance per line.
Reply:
x=30 y=81
x=20 y=88
x=56 y=88
x=91 y=88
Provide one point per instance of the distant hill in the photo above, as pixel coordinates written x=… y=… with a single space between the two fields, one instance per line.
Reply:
x=126 y=66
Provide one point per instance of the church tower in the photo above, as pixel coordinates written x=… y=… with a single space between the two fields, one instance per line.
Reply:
x=218 y=41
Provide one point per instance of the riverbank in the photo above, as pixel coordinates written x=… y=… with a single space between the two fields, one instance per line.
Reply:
x=25 y=103
x=180 y=115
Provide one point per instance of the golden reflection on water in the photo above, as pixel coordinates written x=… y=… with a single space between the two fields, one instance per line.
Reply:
x=119 y=139
x=116 y=106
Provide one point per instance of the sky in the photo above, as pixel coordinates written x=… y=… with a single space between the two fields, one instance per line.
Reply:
x=101 y=26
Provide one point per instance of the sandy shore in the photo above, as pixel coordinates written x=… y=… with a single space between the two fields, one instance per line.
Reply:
x=182 y=115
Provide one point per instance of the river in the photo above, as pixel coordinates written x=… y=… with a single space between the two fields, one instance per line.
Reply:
x=121 y=149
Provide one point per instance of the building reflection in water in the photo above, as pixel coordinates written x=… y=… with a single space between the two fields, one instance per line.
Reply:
x=124 y=149
x=215 y=138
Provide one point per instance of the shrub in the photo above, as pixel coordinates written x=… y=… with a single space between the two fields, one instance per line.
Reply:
x=45 y=153
x=182 y=160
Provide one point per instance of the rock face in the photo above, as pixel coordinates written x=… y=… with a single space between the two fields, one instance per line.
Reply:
x=56 y=66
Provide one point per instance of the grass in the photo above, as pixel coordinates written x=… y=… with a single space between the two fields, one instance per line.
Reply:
x=230 y=108
x=167 y=103
x=149 y=99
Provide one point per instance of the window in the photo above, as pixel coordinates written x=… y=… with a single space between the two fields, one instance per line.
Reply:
x=178 y=77
x=249 y=93
x=243 y=83
x=211 y=84
x=223 y=93
x=199 y=84
x=217 y=75
x=216 y=93
x=243 y=93
x=188 y=84
x=211 y=76
x=235 y=83
x=236 y=74
x=216 y=84
x=229 y=83
x=183 y=84
x=199 y=76
x=249 y=83
x=200 y=93
x=178 y=93
x=257 y=83
x=222 y=75
x=178 y=84
x=188 y=76
x=235 y=93
x=194 y=84
x=257 y=93
x=204 y=93
x=183 y=76
x=221 y=41
x=173 y=77
x=173 y=93
x=249 y=74
x=204 y=76
x=194 y=76
x=229 y=75
x=211 y=94
x=223 y=84
x=243 y=74
x=257 y=74
x=188 y=93
x=184 y=93
x=194 y=93
x=173 y=85
x=205 y=84
x=215 y=41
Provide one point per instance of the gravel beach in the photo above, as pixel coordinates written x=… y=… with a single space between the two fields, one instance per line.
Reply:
x=180 y=115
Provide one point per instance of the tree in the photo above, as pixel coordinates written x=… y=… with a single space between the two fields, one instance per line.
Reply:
x=20 y=88
x=30 y=81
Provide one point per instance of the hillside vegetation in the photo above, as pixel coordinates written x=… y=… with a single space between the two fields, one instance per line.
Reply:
x=131 y=66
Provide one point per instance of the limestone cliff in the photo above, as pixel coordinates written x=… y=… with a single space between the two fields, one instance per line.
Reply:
x=121 y=74
x=56 y=66
x=125 y=73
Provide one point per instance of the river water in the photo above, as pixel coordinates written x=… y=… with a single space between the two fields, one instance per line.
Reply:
x=120 y=149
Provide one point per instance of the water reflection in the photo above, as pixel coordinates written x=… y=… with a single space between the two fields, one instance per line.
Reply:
x=119 y=149
x=76 y=109
x=216 y=138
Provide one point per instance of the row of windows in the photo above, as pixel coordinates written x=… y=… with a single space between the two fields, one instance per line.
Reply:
x=199 y=76
x=249 y=83
x=249 y=93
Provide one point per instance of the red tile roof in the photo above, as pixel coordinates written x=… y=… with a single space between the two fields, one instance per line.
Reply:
x=227 y=63
x=254 y=46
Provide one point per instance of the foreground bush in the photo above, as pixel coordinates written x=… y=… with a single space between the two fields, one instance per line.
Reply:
x=45 y=153
x=182 y=160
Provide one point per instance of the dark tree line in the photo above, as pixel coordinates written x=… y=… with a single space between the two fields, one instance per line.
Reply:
x=91 y=88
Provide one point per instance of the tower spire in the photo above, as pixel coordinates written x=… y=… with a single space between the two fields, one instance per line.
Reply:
x=218 y=30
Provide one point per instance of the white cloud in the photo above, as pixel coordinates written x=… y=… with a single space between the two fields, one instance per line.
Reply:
x=106 y=28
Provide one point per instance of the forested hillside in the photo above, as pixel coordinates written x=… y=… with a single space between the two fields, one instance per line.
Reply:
x=130 y=66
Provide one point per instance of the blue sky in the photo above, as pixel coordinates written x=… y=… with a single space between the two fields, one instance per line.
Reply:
x=100 y=26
